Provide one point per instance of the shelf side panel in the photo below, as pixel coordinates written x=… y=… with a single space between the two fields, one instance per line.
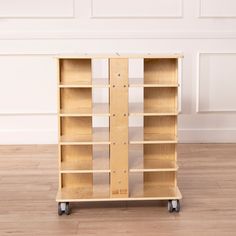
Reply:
x=119 y=127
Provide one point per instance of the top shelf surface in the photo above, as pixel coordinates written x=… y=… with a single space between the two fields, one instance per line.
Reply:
x=118 y=55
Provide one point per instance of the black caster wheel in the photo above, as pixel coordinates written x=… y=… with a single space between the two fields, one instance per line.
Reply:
x=177 y=209
x=63 y=207
x=67 y=209
x=170 y=206
x=60 y=212
x=173 y=205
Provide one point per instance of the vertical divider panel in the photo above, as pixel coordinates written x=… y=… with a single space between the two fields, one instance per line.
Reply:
x=119 y=127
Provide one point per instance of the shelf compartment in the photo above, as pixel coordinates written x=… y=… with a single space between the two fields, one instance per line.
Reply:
x=76 y=188
x=155 y=166
x=76 y=126
x=139 y=82
x=98 y=109
x=137 y=136
x=95 y=83
x=160 y=126
x=137 y=192
x=99 y=136
x=78 y=130
x=85 y=159
x=162 y=71
x=75 y=71
x=138 y=109
x=163 y=100
x=152 y=158
x=76 y=99
x=154 y=185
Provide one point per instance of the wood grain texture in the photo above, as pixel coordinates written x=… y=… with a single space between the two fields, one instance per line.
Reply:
x=119 y=127
x=207 y=179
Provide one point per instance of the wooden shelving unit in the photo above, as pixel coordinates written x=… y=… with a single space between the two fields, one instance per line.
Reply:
x=118 y=162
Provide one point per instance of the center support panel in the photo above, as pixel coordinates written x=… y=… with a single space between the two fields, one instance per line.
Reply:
x=119 y=127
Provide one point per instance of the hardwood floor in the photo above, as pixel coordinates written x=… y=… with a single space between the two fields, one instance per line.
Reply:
x=207 y=179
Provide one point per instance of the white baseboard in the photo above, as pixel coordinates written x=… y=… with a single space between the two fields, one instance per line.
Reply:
x=50 y=136
x=207 y=136
x=28 y=137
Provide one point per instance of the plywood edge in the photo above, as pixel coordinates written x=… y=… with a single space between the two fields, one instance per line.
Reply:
x=119 y=55
x=171 y=169
x=84 y=171
x=153 y=142
x=84 y=142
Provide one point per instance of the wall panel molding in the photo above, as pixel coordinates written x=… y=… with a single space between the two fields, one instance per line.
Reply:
x=198 y=81
x=31 y=9
x=143 y=9
x=217 y=9
x=53 y=35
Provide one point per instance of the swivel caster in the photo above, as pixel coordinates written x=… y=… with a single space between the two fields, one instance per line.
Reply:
x=173 y=205
x=63 y=207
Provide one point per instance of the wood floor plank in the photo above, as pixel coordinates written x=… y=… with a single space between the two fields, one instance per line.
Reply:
x=206 y=178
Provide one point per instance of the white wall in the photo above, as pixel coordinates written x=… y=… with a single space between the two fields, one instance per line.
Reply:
x=32 y=33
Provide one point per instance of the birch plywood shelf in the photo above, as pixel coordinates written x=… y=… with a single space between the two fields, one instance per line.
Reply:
x=118 y=162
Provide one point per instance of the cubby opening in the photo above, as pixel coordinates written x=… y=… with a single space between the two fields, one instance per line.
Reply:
x=75 y=71
x=84 y=186
x=84 y=158
x=160 y=71
x=160 y=100
x=153 y=185
x=160 y=128
x=76 y=100
x=76 y=127
x=152 y=157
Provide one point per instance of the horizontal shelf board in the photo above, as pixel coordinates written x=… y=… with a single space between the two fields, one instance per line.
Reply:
x=136 y=136
x=70 y=194
x=137 y=109
x=98 y=109
x=153 y=166
x=137 y=193
x=139 y=82
x=95 y=83
x=121 y=55
x=99 y=136
x=84 y=171
x=153 y=142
